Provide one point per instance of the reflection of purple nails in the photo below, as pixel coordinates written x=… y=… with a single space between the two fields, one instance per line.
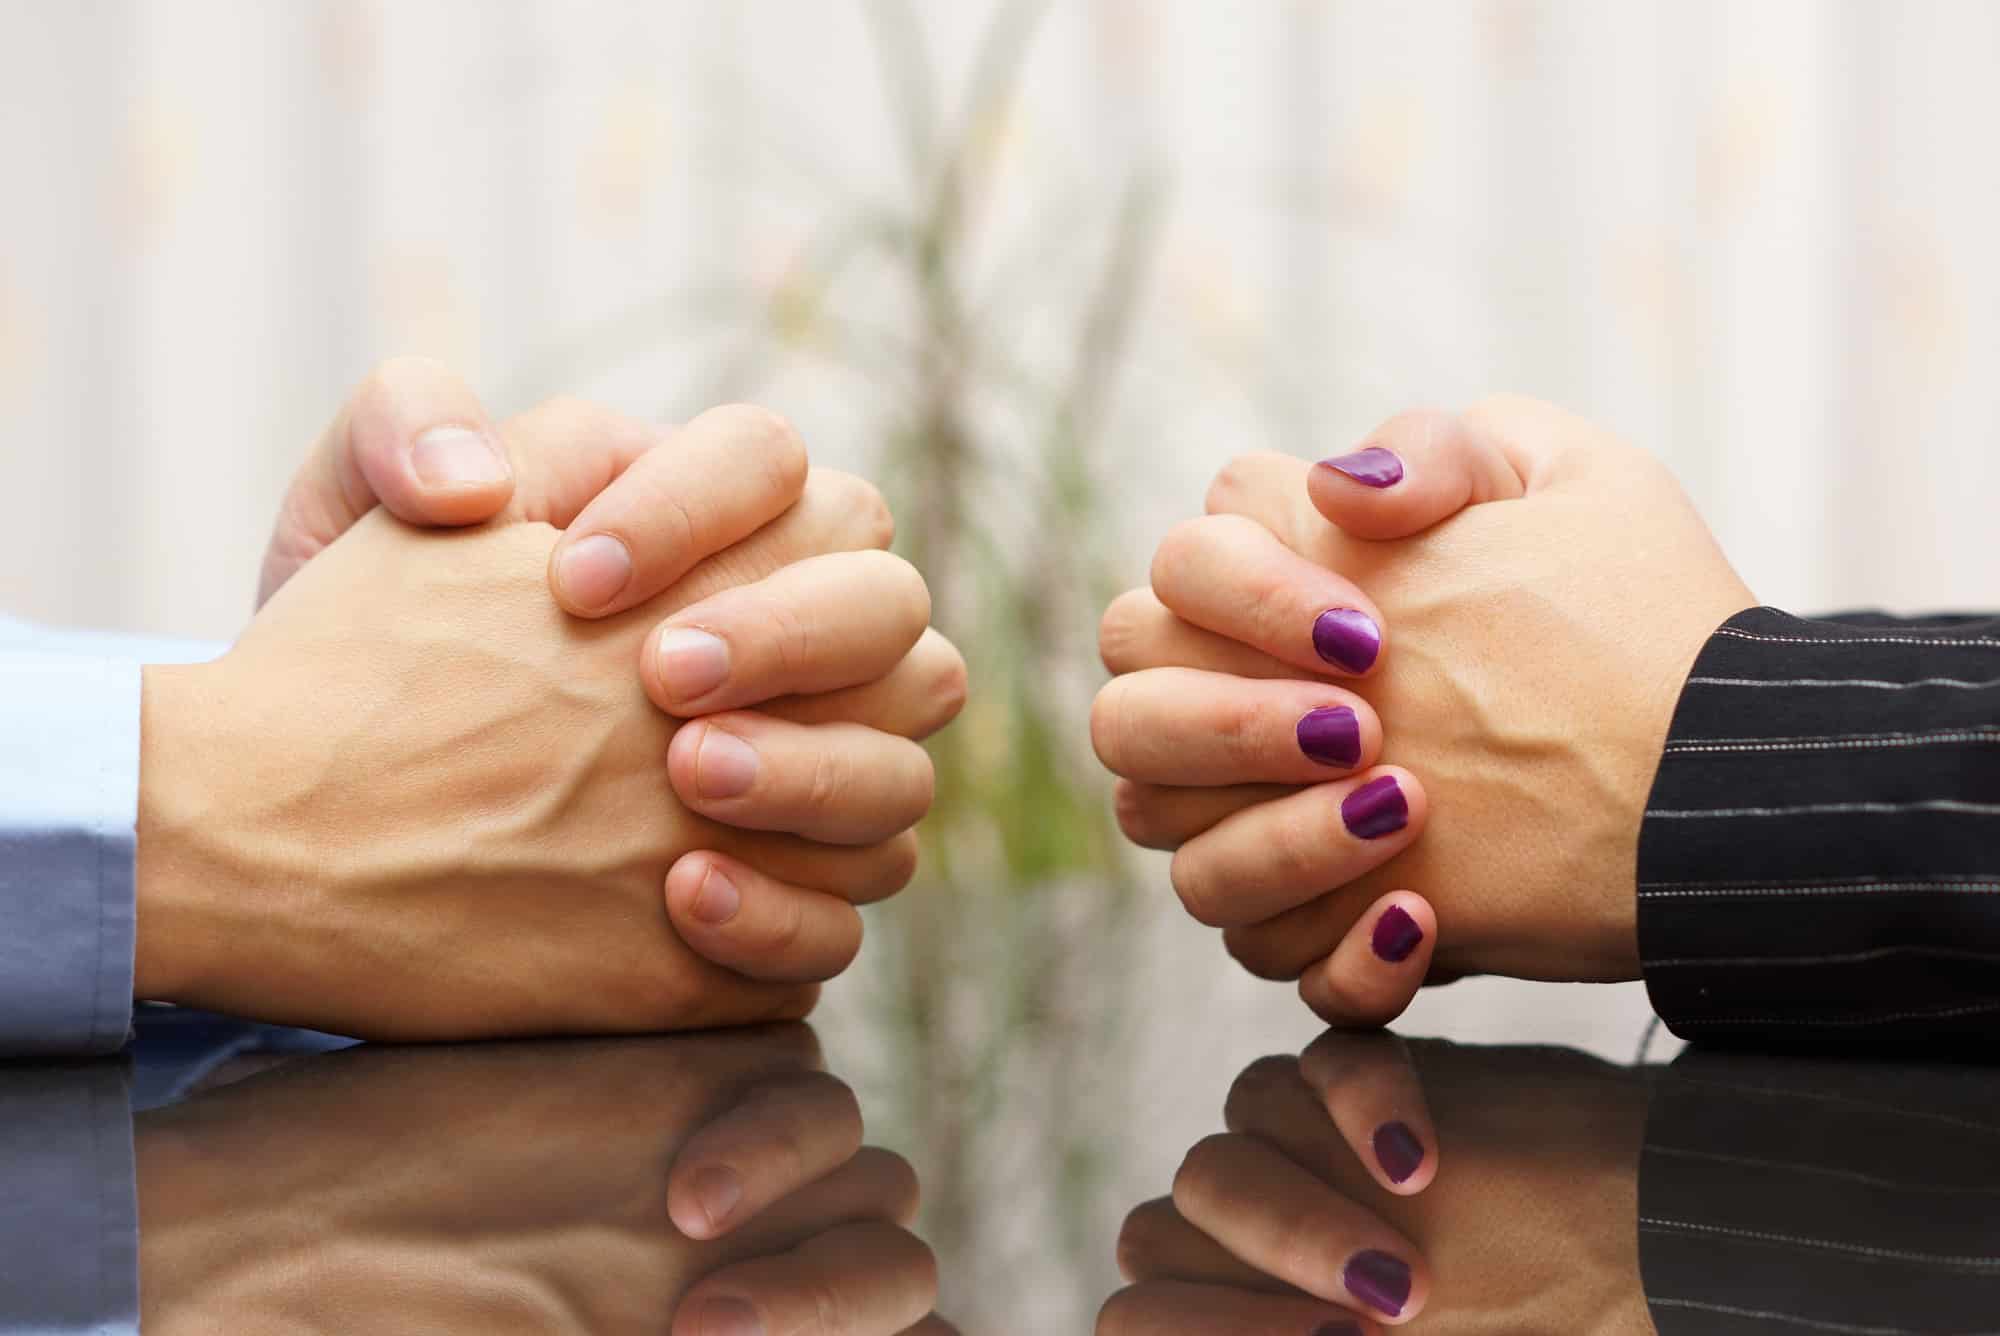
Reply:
x=1378 y=1280
x=1376 y=809
x=1396 y=933
x=1371 y=466
x=1398 y=1151
x=1347 y=639
x=1331 y=735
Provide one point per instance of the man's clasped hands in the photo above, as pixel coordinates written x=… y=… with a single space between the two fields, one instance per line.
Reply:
x=574 y=724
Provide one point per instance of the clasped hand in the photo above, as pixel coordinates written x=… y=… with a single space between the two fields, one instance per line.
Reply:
x=621 y=753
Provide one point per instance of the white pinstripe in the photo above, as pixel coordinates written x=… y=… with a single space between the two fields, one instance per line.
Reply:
x=1979 y=1263
x=1958 y=805
x=1870 y=682
x=1842 y=958
x=1812 y=1323
x=1965 y=642
x=1840 y=742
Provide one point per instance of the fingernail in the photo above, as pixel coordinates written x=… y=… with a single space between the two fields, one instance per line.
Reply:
x=1398 y=1151
x=717 y=1189
x=592 y=570
x=1331 y=735
x=1376 y=809
x=456 y=457
x=728 y=1317
x=1371 y=466
x=1378 y=1280
x=724 y=765
x=1396 y=933
x=716 y=900
x=689 y=663
x=1347 y=639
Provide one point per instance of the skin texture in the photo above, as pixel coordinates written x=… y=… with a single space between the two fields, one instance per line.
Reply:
x=1528 y=1226
x=1540 y=622
x=528 y=1187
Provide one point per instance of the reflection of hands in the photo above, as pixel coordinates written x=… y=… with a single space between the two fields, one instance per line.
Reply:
x=530 y=1187
x=1520 y=1214
x=413 y=757
x=1541 y=622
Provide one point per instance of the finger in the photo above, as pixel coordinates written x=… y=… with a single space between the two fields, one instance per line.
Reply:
x=1181 y=1308
x=875 y=1184
x=781 y=1135
x=860 y=1279
x=916 y=698
x=1188 y=727
x=718 y=480
x=1412 y=472
x=839 y=783
x=1266 y=859
x=819 y=624
x=1269 y=488
x=932 y=1325
x=1370 y=1089
x=858 y=874
x=1138 y=632
x=1163 y=816
x=1157 y=1243
x=412 y=437
x=1232 y=576
x=565 y=451
x=758 y=926
x=1379 y=965
x=1247 y=1196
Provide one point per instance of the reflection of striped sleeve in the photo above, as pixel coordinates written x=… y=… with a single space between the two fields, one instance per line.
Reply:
x=1820 y=859
x=1796 y=1197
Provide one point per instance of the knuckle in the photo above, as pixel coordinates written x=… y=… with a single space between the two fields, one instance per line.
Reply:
x=1238 y=727
x=952 y=685
x=793 y=637
x=1257 y=1085
x=1344 y=998
x=1253 y=947
x=1235 y=480
x=1118 y=630
x=828 y=780
x=1196 y=888
x=1134 y=812
x=899 y=861
x=1200 y=1170
x=1178 y=552
x=1107 y=723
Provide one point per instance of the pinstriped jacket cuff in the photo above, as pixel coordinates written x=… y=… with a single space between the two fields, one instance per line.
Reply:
x=1820 y=857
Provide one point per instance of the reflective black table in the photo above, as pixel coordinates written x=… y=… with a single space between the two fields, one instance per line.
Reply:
x=223 y=1178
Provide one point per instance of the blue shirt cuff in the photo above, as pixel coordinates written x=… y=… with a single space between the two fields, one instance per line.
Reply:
x=69 y=797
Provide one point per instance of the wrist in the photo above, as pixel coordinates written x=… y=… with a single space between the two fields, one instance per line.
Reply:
x=174 y=869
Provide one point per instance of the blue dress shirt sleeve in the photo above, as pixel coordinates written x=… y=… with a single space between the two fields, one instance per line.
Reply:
x=69 y=1218
x=69 y=797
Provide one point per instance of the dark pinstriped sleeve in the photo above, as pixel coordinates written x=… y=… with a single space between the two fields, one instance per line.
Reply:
x=1820 y=858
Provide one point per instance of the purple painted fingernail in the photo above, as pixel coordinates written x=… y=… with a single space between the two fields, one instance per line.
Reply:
x=1331 y=735
x=1347 y=639
x=1337 y=1329
x=1376 y=809
x=1398 y=1151
x=1378 y=1280
x=1396 y=935
x=1371 y=466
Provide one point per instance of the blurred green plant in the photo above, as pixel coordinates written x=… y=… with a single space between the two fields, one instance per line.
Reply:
x=995 y=984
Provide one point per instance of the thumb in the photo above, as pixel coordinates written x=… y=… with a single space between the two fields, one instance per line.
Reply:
x=412 y=438
x=1421 y=468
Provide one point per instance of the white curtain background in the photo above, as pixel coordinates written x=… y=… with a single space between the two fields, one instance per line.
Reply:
x=1759 y=238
